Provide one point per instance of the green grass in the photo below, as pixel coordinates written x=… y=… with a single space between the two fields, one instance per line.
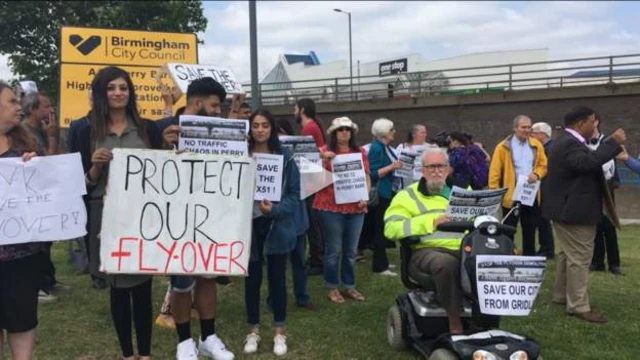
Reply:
x=78 y=324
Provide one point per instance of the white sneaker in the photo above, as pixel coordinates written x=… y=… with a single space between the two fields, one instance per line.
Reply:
x=280 y=345
x=44 y=296
x=212 y=347
x=251 y=343
x=392 y=266
x=387 y=273
x=187 y=350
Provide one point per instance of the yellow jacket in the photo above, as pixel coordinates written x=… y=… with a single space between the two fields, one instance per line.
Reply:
x=411 y=213
x=502 y=173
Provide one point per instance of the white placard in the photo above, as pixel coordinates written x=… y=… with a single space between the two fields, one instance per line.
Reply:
x=184 y=214
x=269 y=177
x=214 y=136
x=303 y=147
x=41 y=200
x=184 y=74
x=508 y=285
x=408 y=160
x=349 y=179
x=468 y=204
x=525 y=192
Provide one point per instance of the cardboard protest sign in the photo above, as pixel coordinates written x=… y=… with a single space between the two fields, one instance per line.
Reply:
x=468 y=204
x=185 y=213
x=508 y=285
x=349 y=179
x=183 y=74
x=215 y=136
x=41 y=200
x=269 y=181
x=525 y=192
x=303 y=147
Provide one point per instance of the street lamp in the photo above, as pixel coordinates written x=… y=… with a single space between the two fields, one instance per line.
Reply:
x=350 y=52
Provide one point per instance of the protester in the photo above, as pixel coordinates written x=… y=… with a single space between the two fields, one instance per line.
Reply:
x=245 y=111
x=606 y=239
x=273 y=236
x=575 y=190
x=467 y=162
x=542 y=132
x=417 y=211
x=519 y=155
x=204 y=96
x=20 y=273
x=305 y=115
x=301 y=222
x=383 y=162
x=40 y=121
x=341 y=223
x=417 y=137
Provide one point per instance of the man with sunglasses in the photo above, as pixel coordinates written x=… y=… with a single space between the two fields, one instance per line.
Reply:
x=417 y=211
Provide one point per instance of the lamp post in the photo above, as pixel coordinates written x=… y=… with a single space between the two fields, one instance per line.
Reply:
x=350 y=53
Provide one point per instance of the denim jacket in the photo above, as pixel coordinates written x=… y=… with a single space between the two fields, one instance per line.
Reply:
x=285 y=214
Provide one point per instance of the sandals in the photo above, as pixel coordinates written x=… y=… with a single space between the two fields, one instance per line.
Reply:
x=334 y=295
x=353 y=294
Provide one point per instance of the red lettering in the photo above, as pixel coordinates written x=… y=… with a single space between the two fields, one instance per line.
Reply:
x=217 y=257
x=193 y=256
x=120 y=254
x=141 y=267
x=233 y=259
x=206 y=260
x=169 y=253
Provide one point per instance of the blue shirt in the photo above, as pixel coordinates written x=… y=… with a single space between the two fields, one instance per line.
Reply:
x=522 y=156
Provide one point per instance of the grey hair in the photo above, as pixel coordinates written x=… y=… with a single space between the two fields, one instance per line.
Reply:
x=415 y=128
x=435 y=150
x=30 y=102
x=517 y=119
x=381 y=127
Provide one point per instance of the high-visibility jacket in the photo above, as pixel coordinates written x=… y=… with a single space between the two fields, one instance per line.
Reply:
x=412 y=213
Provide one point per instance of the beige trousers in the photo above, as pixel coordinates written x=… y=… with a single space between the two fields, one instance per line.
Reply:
x=572 y=268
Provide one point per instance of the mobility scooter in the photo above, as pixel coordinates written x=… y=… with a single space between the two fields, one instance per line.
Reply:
x=417 y=320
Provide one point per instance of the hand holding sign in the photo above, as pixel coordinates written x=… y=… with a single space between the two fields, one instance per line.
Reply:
x=533 y=177
x=265 y=206
x=526 y=191
x=171 y=134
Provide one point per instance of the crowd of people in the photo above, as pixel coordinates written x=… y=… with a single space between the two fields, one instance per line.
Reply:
x=573 y=169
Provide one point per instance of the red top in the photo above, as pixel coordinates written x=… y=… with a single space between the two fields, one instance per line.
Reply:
x=325 y=198
x=311 y=128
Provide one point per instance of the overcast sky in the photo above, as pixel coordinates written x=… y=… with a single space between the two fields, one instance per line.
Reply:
x=383 y=29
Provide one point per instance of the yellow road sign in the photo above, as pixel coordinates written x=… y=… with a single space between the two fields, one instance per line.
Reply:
x=84 y=51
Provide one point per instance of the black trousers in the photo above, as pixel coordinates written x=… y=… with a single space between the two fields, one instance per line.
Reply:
x=121 y=314
x=529 y=218
x=545 y=237
x=606 y=241
x=380 y=261
x=314 y=236
x=48 y=274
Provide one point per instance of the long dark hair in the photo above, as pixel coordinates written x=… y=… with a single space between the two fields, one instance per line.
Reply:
x=99 y=118
x=273 y=143
x=21 y=139
x=460 y=137
x=285 y=126
x=333 y=141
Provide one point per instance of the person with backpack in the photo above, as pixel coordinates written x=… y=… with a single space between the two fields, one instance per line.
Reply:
x=468 y=161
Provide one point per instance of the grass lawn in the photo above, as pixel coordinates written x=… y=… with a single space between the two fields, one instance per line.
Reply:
x=78 y=324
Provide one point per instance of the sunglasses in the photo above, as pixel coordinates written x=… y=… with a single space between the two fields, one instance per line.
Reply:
x=343 y=128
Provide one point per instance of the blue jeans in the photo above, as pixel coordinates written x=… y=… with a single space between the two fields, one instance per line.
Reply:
x=299 y=272
x=341 y=233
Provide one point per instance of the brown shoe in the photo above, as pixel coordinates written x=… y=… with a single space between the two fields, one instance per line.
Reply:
x=591 y=316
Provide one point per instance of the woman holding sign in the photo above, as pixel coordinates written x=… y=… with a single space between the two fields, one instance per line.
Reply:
x=341 y=222
x=116 y=123
x=19 y=263
x=274 y=235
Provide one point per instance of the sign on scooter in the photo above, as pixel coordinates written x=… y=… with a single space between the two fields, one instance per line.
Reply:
x=508 y=285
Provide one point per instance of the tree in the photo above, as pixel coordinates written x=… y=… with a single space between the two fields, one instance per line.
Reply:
x=31 y=29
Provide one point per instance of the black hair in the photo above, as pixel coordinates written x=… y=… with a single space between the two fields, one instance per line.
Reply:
x=205 y=87
x=576 y=115
x=333 y=141
x=285 y=126
x=245 y=105
x=273 y=143
x=180 y=111
x=307 y=107
x=463 y=139
x=99 y=117
x=20 y=137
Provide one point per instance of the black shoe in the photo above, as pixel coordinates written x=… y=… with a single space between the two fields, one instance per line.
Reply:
x=314 y=270
x=615 y=270
x=99 y=284
x=223 y=280
x=595 y=267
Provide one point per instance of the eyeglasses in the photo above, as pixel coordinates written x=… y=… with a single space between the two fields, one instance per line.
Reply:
x=433 y=167
x=344 y=128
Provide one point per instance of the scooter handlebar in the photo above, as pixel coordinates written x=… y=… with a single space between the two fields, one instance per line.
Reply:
x=456 y=226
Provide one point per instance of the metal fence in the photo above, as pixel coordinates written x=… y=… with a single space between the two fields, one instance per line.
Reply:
x=458 y=81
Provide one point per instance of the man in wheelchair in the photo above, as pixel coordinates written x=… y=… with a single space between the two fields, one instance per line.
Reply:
x=417 y=211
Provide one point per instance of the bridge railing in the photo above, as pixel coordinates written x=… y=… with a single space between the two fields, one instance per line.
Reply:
x=457 y=81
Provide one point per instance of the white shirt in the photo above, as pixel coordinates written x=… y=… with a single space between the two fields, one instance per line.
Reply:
x=522 y=156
